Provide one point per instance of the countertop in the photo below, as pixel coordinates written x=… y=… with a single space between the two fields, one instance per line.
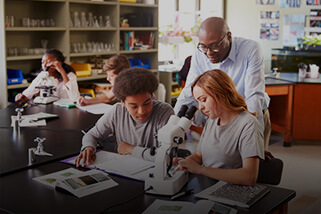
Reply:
x=289 y=78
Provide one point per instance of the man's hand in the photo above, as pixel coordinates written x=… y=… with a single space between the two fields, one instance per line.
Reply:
x=86 y=157
x=125 y=148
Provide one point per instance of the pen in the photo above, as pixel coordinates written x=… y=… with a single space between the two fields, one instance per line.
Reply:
x=82 y=99
x=181 y=194
x=83 y=131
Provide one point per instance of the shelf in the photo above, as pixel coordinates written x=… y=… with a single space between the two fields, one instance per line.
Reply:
x=93 y=29
x=137 y=5
x=138 y=29
x=17 y=58
x=139 y=51
x=12 y=29
x=17 y=86
x=93 y=2
x=92 y=54
x=62 y=37
x=92 y=77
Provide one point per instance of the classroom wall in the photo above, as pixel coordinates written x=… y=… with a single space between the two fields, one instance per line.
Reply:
x=243 y=17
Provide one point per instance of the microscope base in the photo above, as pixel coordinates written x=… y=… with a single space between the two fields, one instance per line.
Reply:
x=168 y=186
x=45 y=100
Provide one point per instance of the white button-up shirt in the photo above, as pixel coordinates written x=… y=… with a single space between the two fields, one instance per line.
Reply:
x=244 y=64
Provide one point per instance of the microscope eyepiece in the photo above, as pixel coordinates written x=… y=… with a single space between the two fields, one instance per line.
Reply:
x=182 y=111
x=190 y=113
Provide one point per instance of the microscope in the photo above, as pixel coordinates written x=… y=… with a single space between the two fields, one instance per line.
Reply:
x=170 y=136
x=46 y=90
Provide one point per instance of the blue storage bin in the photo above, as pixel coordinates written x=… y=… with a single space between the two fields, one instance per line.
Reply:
x=14 y=76
x=143 y=63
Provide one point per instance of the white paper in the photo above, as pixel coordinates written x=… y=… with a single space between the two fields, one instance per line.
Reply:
x=31 y=120
x=179 y=207
x=125 y=165
x=100 y=108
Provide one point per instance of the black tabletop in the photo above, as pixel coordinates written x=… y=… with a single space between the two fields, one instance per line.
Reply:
x=21 y=194
x=63 y=136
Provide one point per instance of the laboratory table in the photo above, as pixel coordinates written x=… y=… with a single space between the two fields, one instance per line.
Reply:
x=21 y=194
x=295 y=106
x=63 y=136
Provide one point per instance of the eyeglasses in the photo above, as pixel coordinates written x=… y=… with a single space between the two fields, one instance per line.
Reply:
x=213 y=47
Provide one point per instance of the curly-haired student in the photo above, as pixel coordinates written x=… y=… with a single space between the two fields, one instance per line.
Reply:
x=134 y=121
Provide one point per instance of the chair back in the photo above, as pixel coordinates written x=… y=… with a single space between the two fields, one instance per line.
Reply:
x=270 y=172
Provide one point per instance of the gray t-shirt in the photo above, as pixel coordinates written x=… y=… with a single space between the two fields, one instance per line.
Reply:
x=226 y=146
x=118 y=121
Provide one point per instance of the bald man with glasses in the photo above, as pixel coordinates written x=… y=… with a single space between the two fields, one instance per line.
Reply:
x=240 y=58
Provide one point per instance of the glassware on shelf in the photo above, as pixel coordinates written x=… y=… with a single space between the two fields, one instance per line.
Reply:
x=75 y=48
x=96 y=24
x=44 y=43
x=84 y=22
x=91 y=19
x=107 y=21
x=76 y=19
x=101 y=23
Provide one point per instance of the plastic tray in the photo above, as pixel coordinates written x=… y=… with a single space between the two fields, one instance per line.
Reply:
x=82 y=69
x=14 y=76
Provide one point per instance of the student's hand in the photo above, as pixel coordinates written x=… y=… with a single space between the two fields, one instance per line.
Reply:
x=125 y=148
x=21 y=98
x=86 y=157
x=82 y=101
x=58 y=66
x=176 y=160
x=189 y=165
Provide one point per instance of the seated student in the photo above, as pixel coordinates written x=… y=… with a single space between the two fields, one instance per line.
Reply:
x=113 y=67
x=134 y=120
x=64 y=78
x=232 y=141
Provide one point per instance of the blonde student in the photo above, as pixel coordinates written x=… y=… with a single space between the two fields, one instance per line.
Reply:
x=134 y=121
x=64 y=78
x=113 y=67
x=232 y=140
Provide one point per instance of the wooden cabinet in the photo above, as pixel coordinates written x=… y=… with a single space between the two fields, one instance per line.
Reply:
x=38 y=21
x=307 y=112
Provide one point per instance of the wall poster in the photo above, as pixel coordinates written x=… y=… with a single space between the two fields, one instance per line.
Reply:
x=293 y=29
x=269 y=25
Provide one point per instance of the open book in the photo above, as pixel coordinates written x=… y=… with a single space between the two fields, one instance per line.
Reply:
x=179 y=207
x=77 y=182
x=100 y=108
x=123 y=165
x=235 y=195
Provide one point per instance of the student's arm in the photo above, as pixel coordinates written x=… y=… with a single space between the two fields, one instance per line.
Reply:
x=104 y=98
x=102 y=129
x=71 y=87
x=31 y=90
x=245 y=175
